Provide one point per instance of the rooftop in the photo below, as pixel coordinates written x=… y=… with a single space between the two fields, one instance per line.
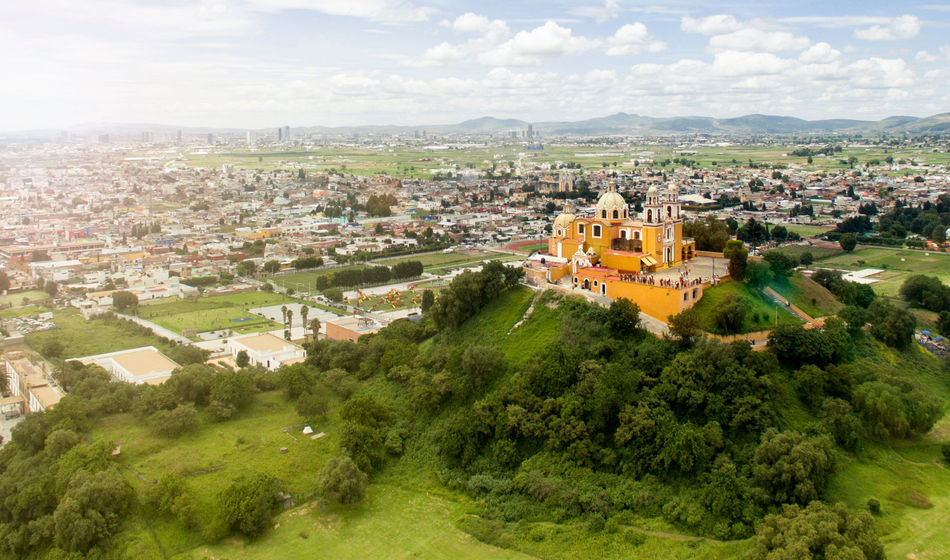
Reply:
x=265 y=342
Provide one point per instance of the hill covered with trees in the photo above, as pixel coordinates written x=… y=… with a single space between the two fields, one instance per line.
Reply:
x=546 y=425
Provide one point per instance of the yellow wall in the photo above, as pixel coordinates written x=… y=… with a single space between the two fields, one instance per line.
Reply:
x=621 y=260
x=655 y=301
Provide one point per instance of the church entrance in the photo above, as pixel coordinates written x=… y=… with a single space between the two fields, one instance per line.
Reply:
x=586 y=284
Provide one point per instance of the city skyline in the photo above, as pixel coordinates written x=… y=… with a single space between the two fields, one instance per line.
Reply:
x=263 y=63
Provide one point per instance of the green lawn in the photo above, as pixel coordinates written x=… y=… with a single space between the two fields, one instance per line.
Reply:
x=810 y=296
x=213 y=313
x=80 y=337
x=808 y=230
x=23 y=298
x=761 y=312
x=477 y=261
x=895 y=269
x=305 y=281
x=816 y=252
x=436 y=257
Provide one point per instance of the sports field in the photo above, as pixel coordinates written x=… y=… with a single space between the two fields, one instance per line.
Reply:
x=214 y=313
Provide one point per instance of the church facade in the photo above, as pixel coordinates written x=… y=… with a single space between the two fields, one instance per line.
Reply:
x=615 y=254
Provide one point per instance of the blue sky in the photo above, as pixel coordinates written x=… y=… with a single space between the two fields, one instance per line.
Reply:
x=264 y=63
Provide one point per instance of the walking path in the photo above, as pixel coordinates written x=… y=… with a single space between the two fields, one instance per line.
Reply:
x=795 y=310
x=157 y=329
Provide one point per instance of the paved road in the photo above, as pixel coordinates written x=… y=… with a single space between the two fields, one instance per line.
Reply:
x=157 y=329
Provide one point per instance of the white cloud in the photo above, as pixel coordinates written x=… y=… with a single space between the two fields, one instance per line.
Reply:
x=819 y=53
x=609 y=10
x=739 y=63
x=528 y=48
x=901 y=27
x=924 y=56
x=633 y=38
x=750 y=39
x=710 y=25
x=881 y=73
x=471 y=23
x=384 y=11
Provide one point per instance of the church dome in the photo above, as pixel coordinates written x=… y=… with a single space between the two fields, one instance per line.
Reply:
x=564 y=220
x=611 y=200
x=651 y=190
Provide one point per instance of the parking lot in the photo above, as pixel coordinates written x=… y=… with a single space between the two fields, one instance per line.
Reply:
x=7 y=425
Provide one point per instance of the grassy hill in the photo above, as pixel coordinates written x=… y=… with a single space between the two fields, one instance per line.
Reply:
x=762 y=313
x=417 y=506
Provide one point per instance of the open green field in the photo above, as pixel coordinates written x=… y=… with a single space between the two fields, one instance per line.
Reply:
x=438 y=257
x=305 y=281
x=80 y=337
x=419 y=162
x=808 y=295
x=761 y=312
x=808 y=231
x=816 y=252
x=214 y=313
x=24 y=298
x=445 y=269
x=897 y=264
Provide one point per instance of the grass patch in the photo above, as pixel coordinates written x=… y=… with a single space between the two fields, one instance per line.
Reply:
x=214 y=313
x=80 y=337
x=810 y=296
x=797 y=251
x=24 y=298
x=761 y=312
x=306 y=281
x=807 y=230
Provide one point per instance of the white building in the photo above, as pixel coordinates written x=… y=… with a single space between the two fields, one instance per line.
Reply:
x=137 y=366
x=266 y=349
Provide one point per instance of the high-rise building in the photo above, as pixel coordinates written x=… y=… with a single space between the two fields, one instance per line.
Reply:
x=179 y=136
x=530 y=131
x=286 y=131
x=210 y=138
x=251 y=137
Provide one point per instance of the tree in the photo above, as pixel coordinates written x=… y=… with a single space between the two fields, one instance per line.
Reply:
x=848 y=242
x=815 y=532
x=242 y=359
x=428 y=298
x=315 y=327
x=891 y=324
x=780 y=233
x=92 y=509
x=342 y=481
x=806 y=258
x=304 y=311
x=738 y=258
x=246 y=268
x=4 y=281
x=758 y=274
x=123 y=301
x=790 y=467
x=686 y=326
x=52 y=349
x=51 y=288
x=271 y=266
x=623 y=317
x=780 y=263
x=729 y=314
x=249 y=502
x=312 y=405
x=333 y=294
x=173 y=423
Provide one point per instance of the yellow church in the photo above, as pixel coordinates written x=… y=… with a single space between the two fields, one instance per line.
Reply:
x=616 y=255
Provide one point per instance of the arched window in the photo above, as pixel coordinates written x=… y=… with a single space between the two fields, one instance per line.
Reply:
x=603 y=214
x=560 y=232
x=649 y=215
x=623 y=234
x=596 y=230
x=616 y=214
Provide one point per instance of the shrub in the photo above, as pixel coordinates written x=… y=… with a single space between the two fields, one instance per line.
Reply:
x=342 y=481
x=249 y=503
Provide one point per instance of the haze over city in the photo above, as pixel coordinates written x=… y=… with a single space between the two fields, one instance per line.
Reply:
x=258 y=63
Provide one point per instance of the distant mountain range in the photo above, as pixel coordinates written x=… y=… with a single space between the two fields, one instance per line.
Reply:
x=616 y=124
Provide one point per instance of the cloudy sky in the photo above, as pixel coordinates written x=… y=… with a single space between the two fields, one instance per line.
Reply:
x=264 y=63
